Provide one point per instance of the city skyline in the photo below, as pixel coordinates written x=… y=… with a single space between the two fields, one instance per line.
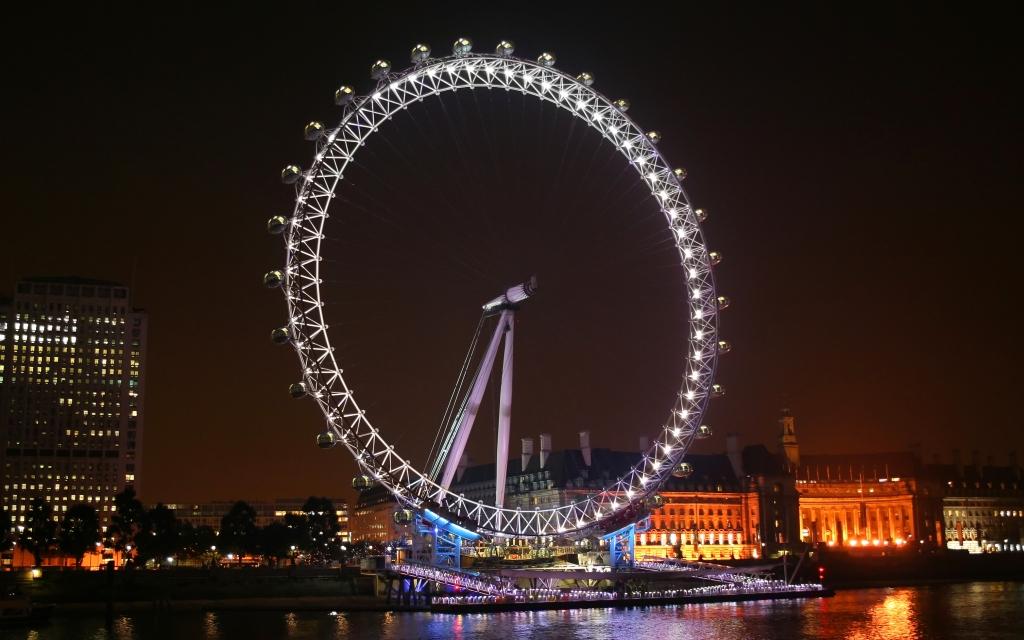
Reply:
x=846 y=312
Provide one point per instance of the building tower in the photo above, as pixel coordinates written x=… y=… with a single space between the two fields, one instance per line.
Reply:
x=787 y=439
x=72 y=362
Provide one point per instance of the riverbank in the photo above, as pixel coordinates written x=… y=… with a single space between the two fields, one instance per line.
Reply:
x=843 y=570
x=283 y=604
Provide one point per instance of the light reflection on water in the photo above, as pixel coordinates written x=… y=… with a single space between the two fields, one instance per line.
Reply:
x=978 y=610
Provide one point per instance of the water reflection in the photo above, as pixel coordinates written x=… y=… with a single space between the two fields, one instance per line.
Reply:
x=891 y=619
x=924 y=613
x=211 y=630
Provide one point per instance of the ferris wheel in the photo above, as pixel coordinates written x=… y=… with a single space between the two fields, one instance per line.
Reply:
x=630 y=496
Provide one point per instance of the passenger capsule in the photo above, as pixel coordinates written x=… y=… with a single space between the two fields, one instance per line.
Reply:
x=313 y=131
x=717 y=391
x=683 y=470
x=344 y=95
x=622 y=105
x=277 y=225
x=297 y=390
x=585 y=79
x=290 y=174
x=505 y=48
x=656 y=501
x=701 y=214
x=680 y=173
x=361 y=483
x=654 y=136
x=419 y=53
x=273 y=279
x=703 y=431
x=280 y=335
x=380 y=69
x=546 y=59
x=723 y=303
x=724 y=346
x=326 y=439
x=714 y=258
x=402 y=517
x=462 y=46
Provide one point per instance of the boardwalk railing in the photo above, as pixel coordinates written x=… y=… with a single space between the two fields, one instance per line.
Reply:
x=468 y=580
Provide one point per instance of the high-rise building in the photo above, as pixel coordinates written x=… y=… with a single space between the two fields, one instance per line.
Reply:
x=72 y=382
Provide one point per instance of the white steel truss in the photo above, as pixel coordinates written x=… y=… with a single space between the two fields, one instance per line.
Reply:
x=626 y=500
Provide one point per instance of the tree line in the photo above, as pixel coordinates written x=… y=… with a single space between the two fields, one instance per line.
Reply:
x=154 y=535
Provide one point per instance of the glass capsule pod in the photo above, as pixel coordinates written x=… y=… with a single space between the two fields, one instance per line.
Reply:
x=313 y=131
x=380 y=69
x=277 y=225
x=683 y=470
x=462 y=46
x=273 y=279
x=344 y=95
x=419 y=53
x=290 y=174
x=326 y=439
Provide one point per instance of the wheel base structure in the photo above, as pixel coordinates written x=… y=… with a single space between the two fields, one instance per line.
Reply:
x=622 y=544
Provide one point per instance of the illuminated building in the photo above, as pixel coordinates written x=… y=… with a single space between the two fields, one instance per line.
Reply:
x=209 y=514
x=858 y=500
x=72 y=382
x=373 y=518
x=715 y=513
x=982 y=505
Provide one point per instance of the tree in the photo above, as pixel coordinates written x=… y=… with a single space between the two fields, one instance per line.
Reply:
x=79 y=532
x=126 y=521
x=197 y=541
x=275 y=541
x=40 y=529
x=160 y=536
x=238 y=532
x=322 y=527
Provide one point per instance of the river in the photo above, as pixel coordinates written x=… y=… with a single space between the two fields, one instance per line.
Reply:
x=981 y=610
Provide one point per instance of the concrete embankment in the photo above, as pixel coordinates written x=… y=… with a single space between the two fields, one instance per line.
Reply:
x=291 y=588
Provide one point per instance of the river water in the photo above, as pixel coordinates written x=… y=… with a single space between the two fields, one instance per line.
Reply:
x=982 y=610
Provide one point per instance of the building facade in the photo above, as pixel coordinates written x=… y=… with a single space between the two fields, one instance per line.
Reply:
x=982 y=504
x=373 y=518
x=72 y=388
x=861 y=500
x=713 y=514
x=209 y=514
x=716 y=512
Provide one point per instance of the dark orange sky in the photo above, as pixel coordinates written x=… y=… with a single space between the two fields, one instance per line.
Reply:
x=861 y=172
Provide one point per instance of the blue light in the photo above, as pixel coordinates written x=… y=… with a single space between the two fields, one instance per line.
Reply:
x=449 y=526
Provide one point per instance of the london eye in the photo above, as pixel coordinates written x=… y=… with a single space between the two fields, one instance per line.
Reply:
x=428 y=489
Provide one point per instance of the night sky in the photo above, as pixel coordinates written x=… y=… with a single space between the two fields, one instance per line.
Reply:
x=861 y=171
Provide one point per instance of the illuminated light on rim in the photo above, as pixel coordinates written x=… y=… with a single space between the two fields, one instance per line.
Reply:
x=397 y=90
